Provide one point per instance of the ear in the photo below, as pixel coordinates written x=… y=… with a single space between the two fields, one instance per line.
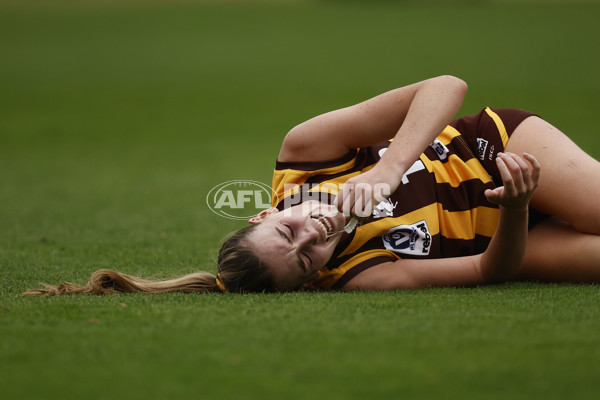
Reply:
x=261 y=215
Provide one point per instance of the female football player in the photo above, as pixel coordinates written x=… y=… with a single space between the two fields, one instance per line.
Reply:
x=391 y=193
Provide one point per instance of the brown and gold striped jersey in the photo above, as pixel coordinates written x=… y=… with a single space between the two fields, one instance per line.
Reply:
x=439 y=209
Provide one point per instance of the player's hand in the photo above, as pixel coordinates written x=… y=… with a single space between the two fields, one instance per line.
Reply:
x=360 y=194
x=520 y=179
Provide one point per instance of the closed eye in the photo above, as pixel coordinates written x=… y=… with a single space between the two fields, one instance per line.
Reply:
x=284 y=235
x=301 y=263
x=309 y=259
x=291 y=230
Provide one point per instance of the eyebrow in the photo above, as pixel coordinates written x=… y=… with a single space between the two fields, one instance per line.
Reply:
x=301 y=263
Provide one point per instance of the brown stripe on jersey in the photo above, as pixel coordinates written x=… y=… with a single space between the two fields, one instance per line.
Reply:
x=327 y=278
x=345 y=240
x=468 y=126
x=448 y=248
x=357 y=269
x=452 y=248
x=464 y=197
x=373 y=152
x=376 y=243
x=461 y=225
x=309 y=185
x=418 y=193
x=482 y=125
x=459 y=247
x=457 y=146
x=365 y=158
x=432 y=155
x=316 y=179
x=334 y=262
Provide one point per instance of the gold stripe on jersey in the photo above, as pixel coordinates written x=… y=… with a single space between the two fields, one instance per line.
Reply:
x=455 y=170
x=330 y=277
x=499 y=125
x=331 y=186
x=463 y=225
x=381 y=226
x=448 y=134
x=284 y=177
x=466 y=224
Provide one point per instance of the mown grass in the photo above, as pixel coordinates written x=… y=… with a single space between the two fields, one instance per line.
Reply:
x=116 y=120
x=517 y=340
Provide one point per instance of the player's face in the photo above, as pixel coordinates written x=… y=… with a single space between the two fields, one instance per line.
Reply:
x=296 y=243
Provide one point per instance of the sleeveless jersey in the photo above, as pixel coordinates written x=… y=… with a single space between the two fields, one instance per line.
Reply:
x=439 y=209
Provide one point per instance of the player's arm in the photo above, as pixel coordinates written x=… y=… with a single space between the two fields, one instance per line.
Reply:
x=412 y=115
x=501 y=260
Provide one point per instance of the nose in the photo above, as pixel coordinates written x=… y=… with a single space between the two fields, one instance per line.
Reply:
x=308 y=235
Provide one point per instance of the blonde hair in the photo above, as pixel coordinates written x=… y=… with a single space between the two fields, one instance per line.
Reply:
x=239 y=271
x=106 y=281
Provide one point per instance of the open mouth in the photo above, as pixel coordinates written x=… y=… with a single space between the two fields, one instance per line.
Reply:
x=326 y=224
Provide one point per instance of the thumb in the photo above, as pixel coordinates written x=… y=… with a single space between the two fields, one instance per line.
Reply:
x=494 y=195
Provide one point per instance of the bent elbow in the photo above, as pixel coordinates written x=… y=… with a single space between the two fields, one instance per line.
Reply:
x=457 y=83
x=453 y=83
x=296 y=140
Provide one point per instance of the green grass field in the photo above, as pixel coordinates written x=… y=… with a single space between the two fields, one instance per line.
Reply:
x=117 y=119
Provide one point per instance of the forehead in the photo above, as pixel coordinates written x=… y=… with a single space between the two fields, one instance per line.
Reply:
x=268 y=241
x=267 y=236
x=273 y=249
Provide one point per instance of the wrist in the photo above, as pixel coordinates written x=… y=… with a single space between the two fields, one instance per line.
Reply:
x=390 y=166
x=515 y=210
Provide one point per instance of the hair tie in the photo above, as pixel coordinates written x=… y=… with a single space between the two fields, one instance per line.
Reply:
x=220 y=284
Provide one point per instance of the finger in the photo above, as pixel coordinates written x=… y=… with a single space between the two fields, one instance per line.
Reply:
x=362 y=201
x=339 y=199
x=347 y=205
x=506 y=176
x=535 y=168
x=362 y=206
x=345 y=199
x=358 y=198
x=515 y=171
x=345 y=195
x=365 y=207
x=525 y=171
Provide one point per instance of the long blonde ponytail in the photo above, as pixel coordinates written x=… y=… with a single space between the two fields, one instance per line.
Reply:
x=240 y=271
x=106 y=281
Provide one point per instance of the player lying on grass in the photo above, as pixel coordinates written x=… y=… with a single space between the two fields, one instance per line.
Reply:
x=464 y=207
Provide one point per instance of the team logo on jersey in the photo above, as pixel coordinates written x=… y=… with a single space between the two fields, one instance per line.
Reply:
x=481 y=148
x=413 y=239
x=384 y=209
x=440 y=149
